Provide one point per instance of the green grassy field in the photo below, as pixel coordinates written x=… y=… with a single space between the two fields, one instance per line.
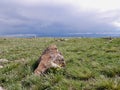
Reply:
x=91 y=64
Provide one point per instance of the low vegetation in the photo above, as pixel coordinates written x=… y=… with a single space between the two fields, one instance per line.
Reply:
x=92 y=64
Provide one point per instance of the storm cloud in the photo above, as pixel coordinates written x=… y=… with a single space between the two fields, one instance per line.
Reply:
x=55 y=17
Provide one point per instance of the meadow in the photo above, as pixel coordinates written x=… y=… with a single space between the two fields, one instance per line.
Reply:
x=91 y=64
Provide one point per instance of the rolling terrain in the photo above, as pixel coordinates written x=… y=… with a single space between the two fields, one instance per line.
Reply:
x=91 y=64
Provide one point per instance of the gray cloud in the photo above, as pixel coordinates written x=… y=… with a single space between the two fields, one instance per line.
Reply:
x=20 y=18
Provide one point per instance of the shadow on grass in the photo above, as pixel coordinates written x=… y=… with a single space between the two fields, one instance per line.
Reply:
x=35 y=65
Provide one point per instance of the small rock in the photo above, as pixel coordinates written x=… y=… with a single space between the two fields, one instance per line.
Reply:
x=61 y=39
x=3 y=60
x=20 y=60
x=1 y=66
x=1 y=88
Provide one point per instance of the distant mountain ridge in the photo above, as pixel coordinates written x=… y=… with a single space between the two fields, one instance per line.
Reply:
x=63 y=35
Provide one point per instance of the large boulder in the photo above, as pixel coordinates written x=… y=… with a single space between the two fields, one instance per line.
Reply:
x=51 y=57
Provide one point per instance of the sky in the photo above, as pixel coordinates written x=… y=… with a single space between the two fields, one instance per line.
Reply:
x=59 y=16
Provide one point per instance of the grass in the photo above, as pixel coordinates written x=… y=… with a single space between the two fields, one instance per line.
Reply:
x=92 y=64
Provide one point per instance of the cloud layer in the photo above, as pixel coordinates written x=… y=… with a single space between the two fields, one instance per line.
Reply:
x=51 y=16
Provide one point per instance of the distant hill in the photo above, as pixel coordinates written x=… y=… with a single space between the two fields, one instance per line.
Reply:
x=89 y=35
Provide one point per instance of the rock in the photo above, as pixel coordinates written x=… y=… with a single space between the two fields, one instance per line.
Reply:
x=1 y=88
x=3 y=60
x=51 y=57
x=22 y=60
x=61 y=39
x=1 y=66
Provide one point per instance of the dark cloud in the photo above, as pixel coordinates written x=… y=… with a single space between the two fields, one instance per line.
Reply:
x=50 y=18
